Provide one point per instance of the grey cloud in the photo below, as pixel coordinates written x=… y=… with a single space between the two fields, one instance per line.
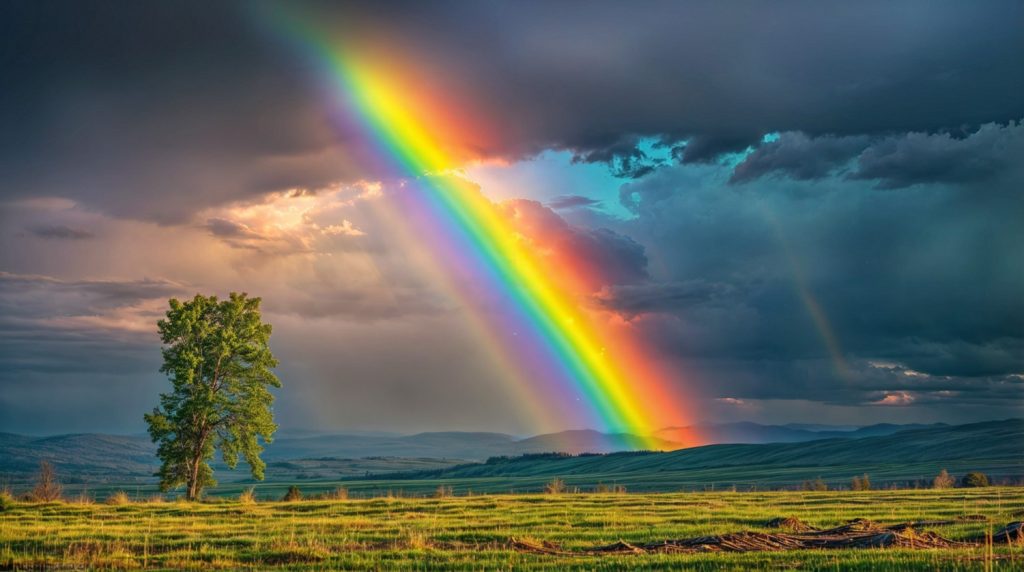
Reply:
x=915 y=158
x=62 y=232
x=706 y=148
x=623 y=156
x=60 y=296
x=663 y=296
x=79 y=354
x=572 y=202
x=799 y=156
x=893 y=161
x=224 y=228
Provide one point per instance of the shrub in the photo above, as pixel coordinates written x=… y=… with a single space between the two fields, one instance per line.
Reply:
x=609 y=489
x=293 y=494
x=48 y=488
x=340 y=493
x=248 y=496
x=974 y=479
x=555 y=487
x=6 y=500
x=862 y=483
x=817 y=485
x=944 y=480
x=119 y=498
x=443 y=492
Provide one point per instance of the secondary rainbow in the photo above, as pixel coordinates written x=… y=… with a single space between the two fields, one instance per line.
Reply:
x=542 y=328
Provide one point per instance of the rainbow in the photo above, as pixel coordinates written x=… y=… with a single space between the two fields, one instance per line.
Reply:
x=565 y=354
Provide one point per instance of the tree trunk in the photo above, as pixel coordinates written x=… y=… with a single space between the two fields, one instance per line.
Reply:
x=193 y=481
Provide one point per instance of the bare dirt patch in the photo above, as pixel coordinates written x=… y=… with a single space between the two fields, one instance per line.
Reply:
x=858 y=533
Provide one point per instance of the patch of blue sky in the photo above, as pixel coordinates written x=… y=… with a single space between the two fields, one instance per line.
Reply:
x=554 y=174
x=549 y=176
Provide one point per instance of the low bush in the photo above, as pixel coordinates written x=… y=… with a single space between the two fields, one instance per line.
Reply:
x=943 y=480
x=974 y=479
x=862 y=483
x=293 y=494
x=819 y=485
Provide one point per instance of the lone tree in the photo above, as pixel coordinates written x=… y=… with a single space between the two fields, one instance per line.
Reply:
x=48 y=487
x=219 y=364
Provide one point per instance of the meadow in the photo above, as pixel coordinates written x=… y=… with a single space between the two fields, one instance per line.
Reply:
x=477 y=532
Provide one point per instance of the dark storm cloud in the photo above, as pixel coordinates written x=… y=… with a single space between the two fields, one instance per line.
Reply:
x=159 y=110
x=78 y=353
x=623 y=156
x=941 y=158
x=588 y=76
x=705 y=148
x=153 y=110
x=925 y=277
x=893 y=161
x=799 y=156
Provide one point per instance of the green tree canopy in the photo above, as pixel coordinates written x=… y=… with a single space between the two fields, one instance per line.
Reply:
x=217 y=357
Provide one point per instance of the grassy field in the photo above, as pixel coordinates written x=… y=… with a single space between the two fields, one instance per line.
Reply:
x=474 y=532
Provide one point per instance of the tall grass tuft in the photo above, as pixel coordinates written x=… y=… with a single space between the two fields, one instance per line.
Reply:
x=83 y=498
x=602 y=488
x=340 y=493
x=443 y=492
x=293 y=494
x=248 y=496
x=555 y=487
x=119 y=498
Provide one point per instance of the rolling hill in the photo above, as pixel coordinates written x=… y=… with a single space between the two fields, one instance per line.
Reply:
x=996 y=447
x=98 y=458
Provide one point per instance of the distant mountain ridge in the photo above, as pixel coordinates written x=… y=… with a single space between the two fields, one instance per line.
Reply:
x=90 y=457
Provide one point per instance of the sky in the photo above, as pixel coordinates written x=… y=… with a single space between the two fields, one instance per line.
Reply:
x=803 y=211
